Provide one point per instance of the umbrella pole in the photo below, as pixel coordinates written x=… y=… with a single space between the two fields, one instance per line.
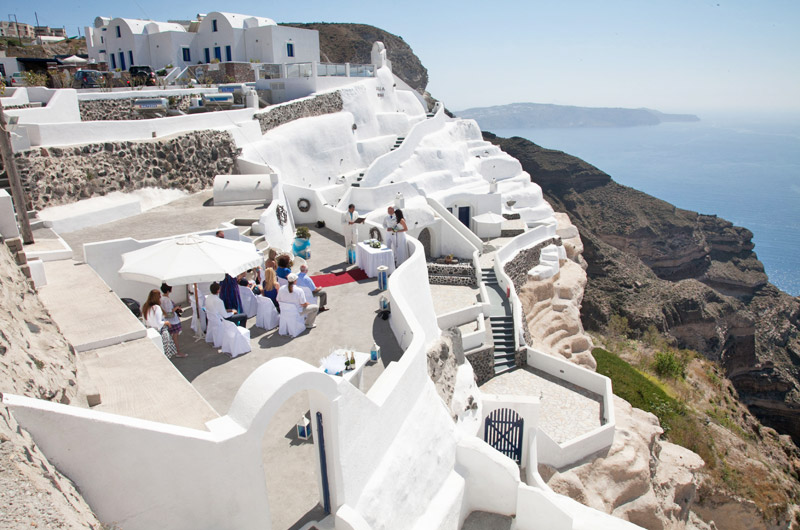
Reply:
x=200 y=333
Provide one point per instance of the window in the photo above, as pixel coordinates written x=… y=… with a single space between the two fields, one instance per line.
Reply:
x=119 y=33
x=101 y=39
x=113 y=62
x=208 y=56
x=217 y=53
x=214 y=25
x=289 y=49
x=228 y=54
x=187 y=56
x=130 y=56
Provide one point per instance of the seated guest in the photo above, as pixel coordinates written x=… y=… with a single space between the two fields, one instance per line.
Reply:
x=304 y=280
x=270 y=287
x=215 y=305
x=290 y=294
x=284 y=266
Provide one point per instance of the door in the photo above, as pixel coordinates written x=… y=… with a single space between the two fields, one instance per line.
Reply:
x=217 y=53
x=463 y=214
x=208 y=55
x=503 y=431
x=122 y=61
x=228 y=55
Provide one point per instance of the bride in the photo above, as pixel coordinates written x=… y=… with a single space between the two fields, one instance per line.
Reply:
x=400 y=229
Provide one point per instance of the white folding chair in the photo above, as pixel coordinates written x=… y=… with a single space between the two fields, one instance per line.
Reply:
x=292 y=322
x=235 y=339
x=310 y=298
x=249 y=301
x=214 y=330
x=267 y=317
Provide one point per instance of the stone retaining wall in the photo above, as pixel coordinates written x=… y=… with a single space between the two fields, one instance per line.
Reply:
x=482 y=362
x=62 y=175
x=328 y=103
x=122 y=109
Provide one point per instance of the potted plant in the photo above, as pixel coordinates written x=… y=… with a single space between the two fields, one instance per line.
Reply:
x=302 y=242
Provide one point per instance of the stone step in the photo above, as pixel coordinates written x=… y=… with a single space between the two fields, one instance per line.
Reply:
x=503 y=368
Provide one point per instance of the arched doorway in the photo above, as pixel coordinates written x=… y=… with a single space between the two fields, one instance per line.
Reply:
x=425 y=238
x=268 y=406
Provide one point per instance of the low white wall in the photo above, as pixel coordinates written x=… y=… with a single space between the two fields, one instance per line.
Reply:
x=87 y=132
x=536 y=509
x=14 y=96
x=559 y=455
x=143 y=92
x=8 y=219
x=410 y=293
x=459 y=317
x=61 y=107
x=382 y=166
x=105 y=257
x=93 y=212
x=242 y=189
x=491 y=478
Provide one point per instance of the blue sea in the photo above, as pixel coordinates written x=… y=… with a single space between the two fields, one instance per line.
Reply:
x=745 y=169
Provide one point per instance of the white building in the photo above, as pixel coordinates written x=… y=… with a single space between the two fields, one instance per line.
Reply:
x=224 y=37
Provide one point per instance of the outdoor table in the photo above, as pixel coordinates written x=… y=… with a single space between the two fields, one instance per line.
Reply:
x=369 y=259
x=354 y=377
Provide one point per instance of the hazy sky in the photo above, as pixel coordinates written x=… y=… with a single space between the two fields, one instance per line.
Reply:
x=671 y=55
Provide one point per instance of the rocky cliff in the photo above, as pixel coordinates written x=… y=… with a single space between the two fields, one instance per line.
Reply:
x=693 y=276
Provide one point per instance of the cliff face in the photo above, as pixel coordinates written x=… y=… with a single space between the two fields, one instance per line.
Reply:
x=693 y=276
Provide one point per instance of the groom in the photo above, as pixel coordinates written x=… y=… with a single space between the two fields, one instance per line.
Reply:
x=389 y=222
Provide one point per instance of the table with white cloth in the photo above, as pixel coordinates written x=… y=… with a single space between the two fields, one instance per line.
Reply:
x=354 y=376
x=369 y=259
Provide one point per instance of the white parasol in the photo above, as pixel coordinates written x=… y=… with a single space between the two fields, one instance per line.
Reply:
x=190 y=259
x=74 y=59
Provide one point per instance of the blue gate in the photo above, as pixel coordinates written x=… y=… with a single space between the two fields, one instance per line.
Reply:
x=323 y=464
x=503 y=431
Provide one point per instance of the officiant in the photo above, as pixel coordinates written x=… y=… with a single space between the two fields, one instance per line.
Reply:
x=350 y=222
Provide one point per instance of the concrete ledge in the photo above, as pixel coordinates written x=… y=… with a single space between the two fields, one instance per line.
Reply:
x=89 y=314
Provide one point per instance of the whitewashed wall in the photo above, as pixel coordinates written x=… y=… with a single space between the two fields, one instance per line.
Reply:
x=134 y=130
x=559 y=455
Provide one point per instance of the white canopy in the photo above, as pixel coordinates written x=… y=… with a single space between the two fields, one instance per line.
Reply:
x=489 y=218
x=189 y=259
x=73 y=59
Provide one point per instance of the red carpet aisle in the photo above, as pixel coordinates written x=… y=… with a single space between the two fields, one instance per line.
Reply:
x=339 y=278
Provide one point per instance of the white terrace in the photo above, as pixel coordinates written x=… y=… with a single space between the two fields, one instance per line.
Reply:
x=210 y=442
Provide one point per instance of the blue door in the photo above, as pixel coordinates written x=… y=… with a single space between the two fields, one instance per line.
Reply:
x=463 y=215
x=228 y=54
x=122 y=60
x=217 y=53
x=208 y=55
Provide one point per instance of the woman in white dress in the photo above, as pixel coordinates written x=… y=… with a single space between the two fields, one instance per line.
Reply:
x=154 y=318
x=400 y=229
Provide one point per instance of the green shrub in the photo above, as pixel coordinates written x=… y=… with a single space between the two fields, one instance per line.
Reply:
x=669 y=364
x=618 y=326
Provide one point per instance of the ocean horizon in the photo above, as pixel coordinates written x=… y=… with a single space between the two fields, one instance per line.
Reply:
x=745 y=169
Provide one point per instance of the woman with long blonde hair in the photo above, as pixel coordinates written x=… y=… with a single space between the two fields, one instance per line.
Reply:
x=270 y=286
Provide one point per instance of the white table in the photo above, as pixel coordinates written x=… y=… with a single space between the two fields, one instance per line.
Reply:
x=354 y=377
x=369 y=259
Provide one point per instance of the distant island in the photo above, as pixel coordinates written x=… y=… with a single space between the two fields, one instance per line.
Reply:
x=542 y=116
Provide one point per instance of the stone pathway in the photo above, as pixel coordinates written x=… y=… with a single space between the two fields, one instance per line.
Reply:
x=566 y=411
